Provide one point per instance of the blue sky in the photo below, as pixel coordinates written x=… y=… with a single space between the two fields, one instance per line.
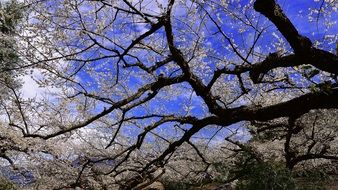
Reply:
x=296 y=10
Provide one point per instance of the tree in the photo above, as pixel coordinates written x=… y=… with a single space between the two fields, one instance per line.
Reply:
x=144 y=85
x=10 y=14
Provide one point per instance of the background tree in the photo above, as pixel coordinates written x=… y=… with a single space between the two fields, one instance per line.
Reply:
x=10 y=14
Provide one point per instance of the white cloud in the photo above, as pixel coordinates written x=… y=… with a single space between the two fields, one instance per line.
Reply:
x=31 y=89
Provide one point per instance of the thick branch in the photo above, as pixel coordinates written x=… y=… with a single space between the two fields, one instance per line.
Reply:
x=292 y=108
x=200 y=89
x=274 y=13
x=302 y=46
x=320 y=59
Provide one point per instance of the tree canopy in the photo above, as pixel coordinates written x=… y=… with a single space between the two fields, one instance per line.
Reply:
x=121 y=94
